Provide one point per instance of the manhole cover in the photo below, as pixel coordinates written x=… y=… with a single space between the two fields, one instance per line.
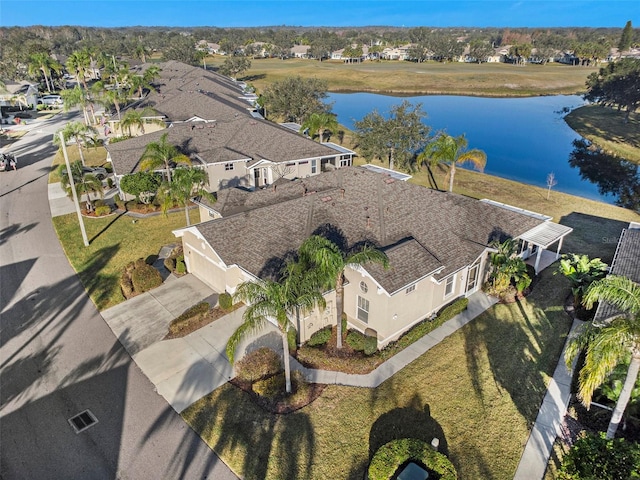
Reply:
x=82 y=421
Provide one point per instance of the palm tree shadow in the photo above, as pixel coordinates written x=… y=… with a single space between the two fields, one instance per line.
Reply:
x=412 y=421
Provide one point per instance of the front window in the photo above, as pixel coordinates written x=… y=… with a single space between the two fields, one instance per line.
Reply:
x=448 y=288
x=228 y=166
x=363 y=309
x=314 y=166
x=411 y=288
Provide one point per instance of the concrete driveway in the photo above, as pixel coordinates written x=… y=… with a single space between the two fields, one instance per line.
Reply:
x=183 y=370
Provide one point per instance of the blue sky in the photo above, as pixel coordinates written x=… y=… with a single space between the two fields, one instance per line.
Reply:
x=435 y=13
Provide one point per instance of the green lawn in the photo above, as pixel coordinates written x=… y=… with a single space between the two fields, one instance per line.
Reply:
x=94 y=157
x=114 y=242
x=605 y=127
x=478 y=391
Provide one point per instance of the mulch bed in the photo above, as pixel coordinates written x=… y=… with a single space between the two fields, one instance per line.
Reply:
x=203 y=320
x=283 y=404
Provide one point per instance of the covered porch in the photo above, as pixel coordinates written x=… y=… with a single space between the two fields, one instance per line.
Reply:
x=536 y=243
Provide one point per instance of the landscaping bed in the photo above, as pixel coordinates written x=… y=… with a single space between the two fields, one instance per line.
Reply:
x=201 y=319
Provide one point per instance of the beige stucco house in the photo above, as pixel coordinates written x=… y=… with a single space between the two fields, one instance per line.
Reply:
x=437 y=242
x=212 y=120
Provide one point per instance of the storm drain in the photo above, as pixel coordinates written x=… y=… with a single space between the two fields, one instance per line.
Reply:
x=82 y=421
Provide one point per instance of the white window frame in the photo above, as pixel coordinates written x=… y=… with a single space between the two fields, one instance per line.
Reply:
x=410 y=288
x=228 y=167
x=450 y=282
x=363 y=308
x=314 y=166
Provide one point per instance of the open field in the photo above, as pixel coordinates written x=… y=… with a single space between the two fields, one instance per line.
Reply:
x=605 y=127
x=408 y=78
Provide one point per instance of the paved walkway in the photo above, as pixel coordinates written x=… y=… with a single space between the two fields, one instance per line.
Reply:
x=534 y=460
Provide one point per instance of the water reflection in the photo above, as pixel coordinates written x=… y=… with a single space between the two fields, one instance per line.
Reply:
x=613 y=176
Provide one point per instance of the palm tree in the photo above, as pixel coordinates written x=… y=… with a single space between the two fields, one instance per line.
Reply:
x=162 y=154
x=85 y=183
x=74 y=97
x=187 y=183
x=79 y=62
x=109 y=96
x=44 y=63
x=82 y=134
x=137 y=118
x=137 y=83
x=330 y=262
x=276 y=301
x=607 y=346
x=319 y=123
x=452 y=151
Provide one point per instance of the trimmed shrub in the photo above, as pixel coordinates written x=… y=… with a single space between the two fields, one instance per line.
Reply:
x=270 y=387
x=258 y=364
x=181 y=267
x=370 y=345
x=595 y=457
x=110 y=182
x=99 y=203
x=119 y=202
x=170 y=264
x=453 y=309
x=125 y=285
x=144 y=277
x=362 y=343
x=195 y=312
x=355 y=340
x=225 y=300
x=320 y=337
x=103 y=210
x=391 y=456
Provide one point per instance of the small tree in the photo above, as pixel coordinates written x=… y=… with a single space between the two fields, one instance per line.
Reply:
x=234 y=66
x=143 y=185
x=581 y=272
x=507 y=268
x=551 y=182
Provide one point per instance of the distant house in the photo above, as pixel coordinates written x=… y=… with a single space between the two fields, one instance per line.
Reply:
x=396 y=53
x=19 y=93
x=209 y=47
x=300 y=51
x=437 y=243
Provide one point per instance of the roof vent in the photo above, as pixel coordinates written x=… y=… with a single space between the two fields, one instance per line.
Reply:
x=389 y=180
x=326 y=199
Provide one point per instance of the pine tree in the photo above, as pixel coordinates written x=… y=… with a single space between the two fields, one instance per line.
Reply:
x=626 y=37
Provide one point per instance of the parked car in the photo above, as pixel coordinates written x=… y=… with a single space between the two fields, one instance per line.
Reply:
x=50 y=100
x=99 y=172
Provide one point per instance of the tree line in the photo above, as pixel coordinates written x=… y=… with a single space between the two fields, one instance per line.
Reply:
x=17 y=44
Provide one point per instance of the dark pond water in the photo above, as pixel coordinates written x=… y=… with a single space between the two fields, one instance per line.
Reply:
x=525 y=139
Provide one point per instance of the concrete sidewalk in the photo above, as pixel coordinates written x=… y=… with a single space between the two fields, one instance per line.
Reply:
x=534 y=460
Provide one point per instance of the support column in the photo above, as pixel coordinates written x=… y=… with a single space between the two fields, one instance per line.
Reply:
x=538 y=255
x=559 y=247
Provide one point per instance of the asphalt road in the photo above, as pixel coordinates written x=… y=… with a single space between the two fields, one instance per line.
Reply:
x=58 y=358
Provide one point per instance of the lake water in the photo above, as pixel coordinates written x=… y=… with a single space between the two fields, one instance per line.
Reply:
x=524 y=138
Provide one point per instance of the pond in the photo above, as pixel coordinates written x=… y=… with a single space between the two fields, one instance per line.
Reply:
x=525 y=139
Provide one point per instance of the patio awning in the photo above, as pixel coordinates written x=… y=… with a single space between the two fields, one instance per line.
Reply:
x=546 y=234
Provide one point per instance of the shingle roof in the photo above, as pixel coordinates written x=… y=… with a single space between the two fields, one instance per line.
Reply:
x=238 y=138
x=625 y=263
x=421 y=229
